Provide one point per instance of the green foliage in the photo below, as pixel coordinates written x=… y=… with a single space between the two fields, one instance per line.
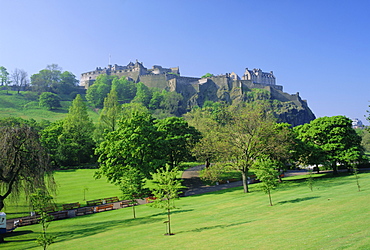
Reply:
x=52 y=79
x=4 y=78
x=49 y=100
x=179 y=139
x=143 y=94
x=23 y=162
x=166 y=190
x=126 y=90
x=207 y=75
x=109 y=115
x=258 y=94
x=96 y=93
x=266 y=172
x=70 y=141
x=132 y=187
x=40 y=201
x=310 y=180
x=136 y=144
x=335 y=138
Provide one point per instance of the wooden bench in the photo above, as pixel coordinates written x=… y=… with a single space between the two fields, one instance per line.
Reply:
x=50 y=209
x=29 y=220
x=111 y=199
x=104 y=207
x=84 y=211
x=71 y=206
x=127 y=203
x=94 y=202
x=59 y=215
x=150 y=199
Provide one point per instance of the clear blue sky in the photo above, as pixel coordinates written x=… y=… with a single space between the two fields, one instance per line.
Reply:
x=320 y=49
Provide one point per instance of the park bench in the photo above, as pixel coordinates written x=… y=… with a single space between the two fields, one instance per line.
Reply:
x=103 y=207
x=59 y=215
x=50 y=209
x=71 y=206
x=150 y=199
x=29 y=220
x=111 y=199
x=84 y=211
x=127 y=203
x=94 y=202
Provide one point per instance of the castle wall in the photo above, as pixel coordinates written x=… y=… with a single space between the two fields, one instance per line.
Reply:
x=154 y=81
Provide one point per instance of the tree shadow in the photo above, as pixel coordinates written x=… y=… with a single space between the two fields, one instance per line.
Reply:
x=200 y=229
x=173 y=212
x=298 y=200
x=15 y=234
x=99 y=227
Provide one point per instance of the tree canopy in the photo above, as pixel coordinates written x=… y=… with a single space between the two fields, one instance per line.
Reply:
x=24 y=164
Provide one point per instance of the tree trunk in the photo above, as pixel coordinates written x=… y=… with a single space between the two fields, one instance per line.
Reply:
x=245 y=181
x=207 y=163
x=1 y=202
x=270 y=197
x=335 y=168
x=133 y=210
x=169 y=221
x=317 y=169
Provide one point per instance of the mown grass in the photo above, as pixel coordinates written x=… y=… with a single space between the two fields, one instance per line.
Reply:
x=26 y=106
x=332 y=216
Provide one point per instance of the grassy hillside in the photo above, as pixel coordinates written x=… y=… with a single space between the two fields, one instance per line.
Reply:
x=26 y=106
x=333 y=216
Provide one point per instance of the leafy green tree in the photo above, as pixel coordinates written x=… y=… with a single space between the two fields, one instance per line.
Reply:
x=4 y=77
x=126 y=90
x=156 y=100
x=52 y=79
x=76 y=140
x=24 y=165
x=132 y=187
x=96 y=93
x=135 y=144
x=250 y=133
x=207 y=75
x=40 y=201
x=166 y=191
x=109 y=115
x=49 y=100
x=172 y=103
x=143 y=94
x=336 y=138
x=266 y=172
x=50 y=140
x=179 y=139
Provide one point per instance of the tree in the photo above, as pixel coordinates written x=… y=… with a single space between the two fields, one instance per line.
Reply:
x=111 y=112
x=249 y=133
x=76 y=142
x=20 y=79
x=4 y=77
x=207 y=75
x=179 y=139
x=126 y=90
x=49 y=100
x=136 y=144
x=52 y=79
x=266 y=172
x=336 y=138
x=40 y=201
x=143 y=94
x=132 y=187
x=166 y=190
x=23 y=162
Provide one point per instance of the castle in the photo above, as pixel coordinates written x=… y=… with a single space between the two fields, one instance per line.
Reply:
x=228 y=88
x=168 y=78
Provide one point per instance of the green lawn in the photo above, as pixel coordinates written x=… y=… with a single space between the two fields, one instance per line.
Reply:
x=334 y=216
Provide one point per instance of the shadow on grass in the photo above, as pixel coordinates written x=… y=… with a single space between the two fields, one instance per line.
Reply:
x=174 y=211
x=85 y=230
x=15 y=234
x=200 y=229
x=298 y=200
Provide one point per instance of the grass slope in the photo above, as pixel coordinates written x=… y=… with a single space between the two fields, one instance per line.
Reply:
x=26 y=106
x=334 y=216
